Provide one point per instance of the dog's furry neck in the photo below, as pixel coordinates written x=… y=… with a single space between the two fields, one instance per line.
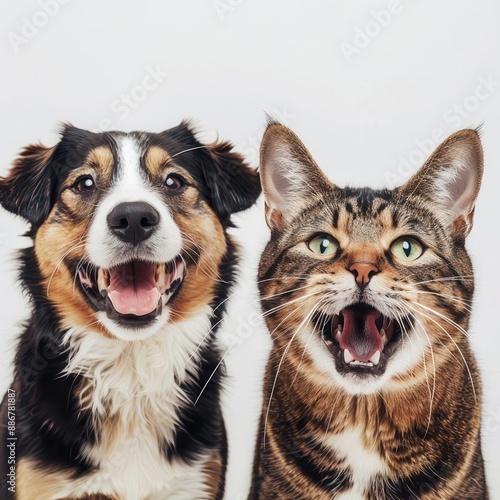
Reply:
x=137 y=381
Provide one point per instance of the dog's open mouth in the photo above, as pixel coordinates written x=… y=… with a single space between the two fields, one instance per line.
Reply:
x=134 y=293
x=362 y=339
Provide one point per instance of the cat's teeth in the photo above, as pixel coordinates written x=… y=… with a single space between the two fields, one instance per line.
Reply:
x=339 y=333
x=360 y=363
x=375 y=359
x=384 y=336
x=348 y=356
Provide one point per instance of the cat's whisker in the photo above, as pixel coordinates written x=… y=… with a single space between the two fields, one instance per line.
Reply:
x=266 y=297
x=448 y=320
x=322 y=321
x=301 y=298
x=304 y=322
x=451 y=338
x=238 y=309
x=211 y=376
x=288 y=276
x=263 y=315
x=299 y=364
x=445 y=278
x=291 y=313
x=286 y=292
x=386 y=291
x=432 y=391
x=400 y=314
x=464 y=302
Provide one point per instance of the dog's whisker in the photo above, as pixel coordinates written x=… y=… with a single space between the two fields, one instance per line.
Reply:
x=190 y=149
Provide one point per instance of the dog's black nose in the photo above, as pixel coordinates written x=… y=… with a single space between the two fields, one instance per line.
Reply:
x=133 y=222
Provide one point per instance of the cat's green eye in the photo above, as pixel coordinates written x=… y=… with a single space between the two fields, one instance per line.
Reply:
x=323 y=244
x=407 y=249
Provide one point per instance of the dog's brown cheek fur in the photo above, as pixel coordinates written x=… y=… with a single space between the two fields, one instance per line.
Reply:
x=202 y=277
x=54 y=244
x=62 y=237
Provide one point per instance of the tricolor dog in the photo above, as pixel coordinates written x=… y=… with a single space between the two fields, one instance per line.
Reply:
x=117 y=372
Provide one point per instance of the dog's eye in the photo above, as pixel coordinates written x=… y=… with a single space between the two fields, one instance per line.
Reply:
x=84 y=184
x=174 y=181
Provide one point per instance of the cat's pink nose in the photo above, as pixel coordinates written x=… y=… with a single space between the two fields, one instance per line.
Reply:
x=363 y=272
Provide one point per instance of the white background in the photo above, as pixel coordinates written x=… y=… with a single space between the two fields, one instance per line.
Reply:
x=366 y=91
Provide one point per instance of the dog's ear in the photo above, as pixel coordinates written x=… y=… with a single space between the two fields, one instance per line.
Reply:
x=232 y=185
x=184 y=135
x=27 y=189
x=228 y=183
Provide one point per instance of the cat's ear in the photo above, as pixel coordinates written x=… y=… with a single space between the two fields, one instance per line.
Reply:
x=450 y=179
x=290 y=177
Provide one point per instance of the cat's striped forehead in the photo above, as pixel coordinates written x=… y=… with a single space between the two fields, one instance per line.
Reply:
x=364 y=214
x=439 y=198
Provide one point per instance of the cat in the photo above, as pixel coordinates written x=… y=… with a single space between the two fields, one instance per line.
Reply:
x=371 y=390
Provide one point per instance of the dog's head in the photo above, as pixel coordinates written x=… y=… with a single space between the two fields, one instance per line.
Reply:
x=129 y=229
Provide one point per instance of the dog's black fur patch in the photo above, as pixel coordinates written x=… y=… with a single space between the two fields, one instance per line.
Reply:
x=50 y=427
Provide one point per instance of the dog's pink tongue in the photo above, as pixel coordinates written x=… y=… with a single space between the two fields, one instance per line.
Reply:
x=360 y=334
x=133 y=288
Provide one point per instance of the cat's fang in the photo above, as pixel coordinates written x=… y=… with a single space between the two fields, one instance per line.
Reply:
x=348 y=356
x=339 y=333
x=375 y=359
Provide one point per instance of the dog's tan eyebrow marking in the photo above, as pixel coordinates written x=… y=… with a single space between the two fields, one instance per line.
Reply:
x=155 y=160
x=102 y=159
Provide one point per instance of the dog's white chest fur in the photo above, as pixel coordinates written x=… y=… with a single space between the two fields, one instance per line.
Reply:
x=363 y=463
x=138 y=385
x=135 y=469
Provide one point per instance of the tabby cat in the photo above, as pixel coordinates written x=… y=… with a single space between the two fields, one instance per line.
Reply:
x=371 y=390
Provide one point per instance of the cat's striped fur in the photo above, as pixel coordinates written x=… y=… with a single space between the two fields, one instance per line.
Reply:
x=397 y=418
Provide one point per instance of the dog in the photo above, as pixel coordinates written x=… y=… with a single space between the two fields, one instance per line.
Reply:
x=118 y=377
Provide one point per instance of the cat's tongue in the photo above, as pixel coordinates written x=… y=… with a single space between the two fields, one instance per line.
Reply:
x=360 y=333
x=133 y=288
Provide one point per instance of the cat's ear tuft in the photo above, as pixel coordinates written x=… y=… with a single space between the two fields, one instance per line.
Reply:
x=451 y=179
x=290 y=177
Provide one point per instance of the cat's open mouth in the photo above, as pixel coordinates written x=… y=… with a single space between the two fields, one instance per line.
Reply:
x=362 y=339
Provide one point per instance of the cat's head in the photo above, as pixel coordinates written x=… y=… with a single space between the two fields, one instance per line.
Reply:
x=370 y=288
